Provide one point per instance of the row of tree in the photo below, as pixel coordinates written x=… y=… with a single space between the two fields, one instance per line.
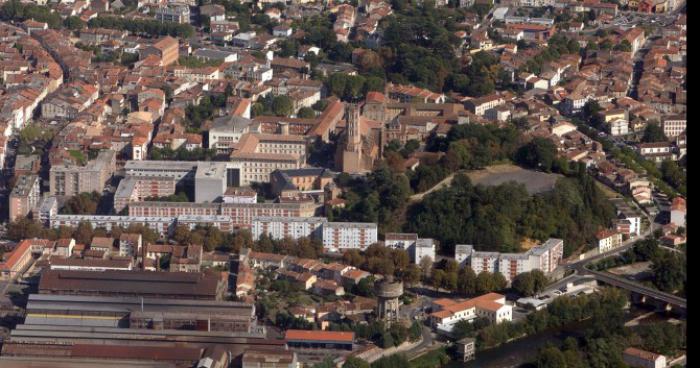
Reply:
x=143 y=26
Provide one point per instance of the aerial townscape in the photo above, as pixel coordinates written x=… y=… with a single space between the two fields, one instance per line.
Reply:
x=343 y=183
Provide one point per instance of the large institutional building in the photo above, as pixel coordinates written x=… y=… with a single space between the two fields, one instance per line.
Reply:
x=447 y=312
x=545 y=257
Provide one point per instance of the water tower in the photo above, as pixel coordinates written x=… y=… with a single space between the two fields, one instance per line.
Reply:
x=388 y=294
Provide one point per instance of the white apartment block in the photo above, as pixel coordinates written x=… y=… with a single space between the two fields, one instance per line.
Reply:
x=536 y=3
x=447 y=312
x=178 y=14
x=462 y=254
x=338 y=236
x=479 y=105
x=634 y=219
x=161 y=225
x=288 y=227
x=400 y=240
x=484 y=261
x=545 y=257
x=423 y=248
x=673 y=126
x=619 y=127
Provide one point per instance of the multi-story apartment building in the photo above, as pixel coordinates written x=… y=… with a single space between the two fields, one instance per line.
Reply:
x=24 y=196
x=608 y=240
x=400 y=240
x=545 y=257
x=175 y=13
x=422 y=249
x=479 y=105
x=130 y=245
x=166 y=49
x=619 y=127
x=288 y=227
x=657 y=152
x=69 y=179
x=161 y=225
x=138 y=188
x=678 y=211
x=447 y=312
x=338 y=236
x=241 y=214
x=674 y=125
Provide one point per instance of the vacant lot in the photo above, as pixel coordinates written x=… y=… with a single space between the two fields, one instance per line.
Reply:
x=534 y=181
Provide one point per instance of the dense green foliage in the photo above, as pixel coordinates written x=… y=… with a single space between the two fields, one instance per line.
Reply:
x=143 y=26
x=83 y=233
x=391 y=361
x=605 y=311
x=273 y=105
x=82 y=204
x=352 y=362
x=653 y=132
x=379 y=198
x=353 y=87
x=540 y=153
x=496 y=218
x=530 y=283
x=181 y=154
x=385 y=337
x=662 y=337
x=557 y=46
x=380 y=260
x=14 y=10
x=302 y=247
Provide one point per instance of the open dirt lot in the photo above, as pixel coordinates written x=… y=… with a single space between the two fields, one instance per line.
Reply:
x=535 y=181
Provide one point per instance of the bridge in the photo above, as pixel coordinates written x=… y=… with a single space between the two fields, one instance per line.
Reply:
x=667 y=300
x=644 y=293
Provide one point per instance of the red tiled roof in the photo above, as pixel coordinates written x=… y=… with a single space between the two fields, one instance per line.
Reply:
x=330 y=336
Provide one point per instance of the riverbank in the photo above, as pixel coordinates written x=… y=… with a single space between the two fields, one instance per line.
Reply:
x=520 y=353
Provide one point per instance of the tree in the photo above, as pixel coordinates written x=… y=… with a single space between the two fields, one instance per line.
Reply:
x=438 y=279
x=353 y=362
x=83 y=233
x=624 y=45
x=538 y=153
x=669 y=272
x=653 y=132
x=551 y=357
x=499 y=281
x=82 y=204
x=466 y=281
x=74 y=23
x=282 y=105
x=426 y=264
x=412 y=275
x=24 y=228
x=485 y=282
x=306 y=113
x=530 y=283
